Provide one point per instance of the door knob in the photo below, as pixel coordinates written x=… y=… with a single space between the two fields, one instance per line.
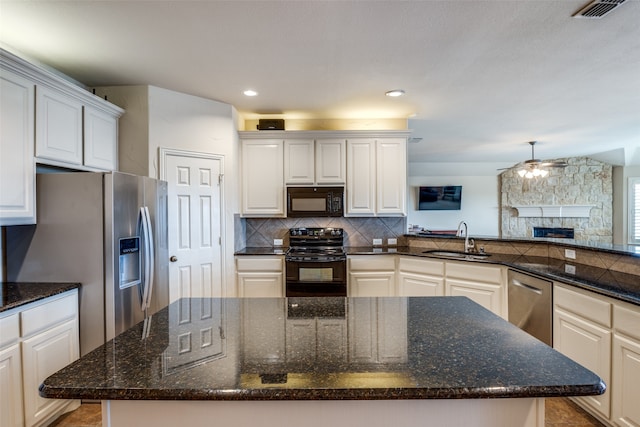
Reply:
x=173 y=258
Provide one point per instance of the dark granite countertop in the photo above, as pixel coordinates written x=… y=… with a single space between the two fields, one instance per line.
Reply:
x=442 y=348
x=13 y=295
x=614 y=284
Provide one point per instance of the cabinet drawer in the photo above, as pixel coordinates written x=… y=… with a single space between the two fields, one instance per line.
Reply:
x=372 y=263
x=478 y=273
x=10 y=327
x=421 y=266
x=583 y=305
x=51 y=313
x=627 y=321
x=259 y=264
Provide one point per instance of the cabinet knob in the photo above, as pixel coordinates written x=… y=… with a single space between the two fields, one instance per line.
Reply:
x=173 y=258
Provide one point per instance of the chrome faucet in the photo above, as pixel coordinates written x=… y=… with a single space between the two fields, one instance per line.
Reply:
x=469 y=244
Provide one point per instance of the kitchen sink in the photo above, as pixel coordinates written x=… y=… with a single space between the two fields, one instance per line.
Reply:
x=456 y=254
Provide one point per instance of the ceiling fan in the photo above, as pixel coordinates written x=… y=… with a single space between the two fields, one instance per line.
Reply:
x=533 y=167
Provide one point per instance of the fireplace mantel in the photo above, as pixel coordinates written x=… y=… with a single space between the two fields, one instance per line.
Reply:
x=554 y=211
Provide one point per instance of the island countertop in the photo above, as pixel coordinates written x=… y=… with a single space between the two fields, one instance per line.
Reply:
x=322 y=349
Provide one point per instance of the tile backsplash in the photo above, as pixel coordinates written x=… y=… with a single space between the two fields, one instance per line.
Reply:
x=260 y=232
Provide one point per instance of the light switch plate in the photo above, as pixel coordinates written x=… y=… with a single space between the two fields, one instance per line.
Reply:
x=570 y=253
x=277 y=242
x=392 y=241
x=570 y=269
x=377 y=242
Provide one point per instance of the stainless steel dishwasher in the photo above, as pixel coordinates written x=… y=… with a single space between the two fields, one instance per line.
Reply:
x=530 y=305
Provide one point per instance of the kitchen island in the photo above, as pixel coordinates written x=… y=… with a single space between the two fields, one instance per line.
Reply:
x=442 y=361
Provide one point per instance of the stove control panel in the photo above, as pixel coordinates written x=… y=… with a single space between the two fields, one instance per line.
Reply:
x=316 y=232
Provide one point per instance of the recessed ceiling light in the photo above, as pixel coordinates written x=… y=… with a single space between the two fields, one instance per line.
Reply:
x=395 y=92
x=250 y=92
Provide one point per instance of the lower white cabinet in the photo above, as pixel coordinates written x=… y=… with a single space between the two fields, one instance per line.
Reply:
x=582 y=331
x=484 y=284
x=371 y=276
x=625 y=382
x=11 y=413
x=47 y=342
x=260 y=276
x=420 y=277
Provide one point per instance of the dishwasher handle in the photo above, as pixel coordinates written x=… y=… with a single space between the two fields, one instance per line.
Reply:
x=516 y=282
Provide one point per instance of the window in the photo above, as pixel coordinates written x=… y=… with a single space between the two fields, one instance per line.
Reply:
x=634 y=211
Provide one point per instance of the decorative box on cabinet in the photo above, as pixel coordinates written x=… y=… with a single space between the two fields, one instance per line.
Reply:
x=17 y=167
x=260 y=276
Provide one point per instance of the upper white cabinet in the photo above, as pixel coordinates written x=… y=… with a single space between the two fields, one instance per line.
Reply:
x=314 y=162
x=17 y=168
x=331 y=161
x=376 y=177
x=46 y=119
x=100 y=139
x=59 y=126
x=372 y=165
x=263 y=178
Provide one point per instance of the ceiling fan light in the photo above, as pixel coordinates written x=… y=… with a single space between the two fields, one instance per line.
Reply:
x=528 y=175
x=521 y=172
x=544 y=172
x=536 y=172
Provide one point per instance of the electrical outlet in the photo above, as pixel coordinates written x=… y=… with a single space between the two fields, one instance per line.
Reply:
x=277 y=242
x=377 y=242
x=570 y=253
x=392 y=241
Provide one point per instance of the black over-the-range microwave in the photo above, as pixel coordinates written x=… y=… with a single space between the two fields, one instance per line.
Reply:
x=315 y=201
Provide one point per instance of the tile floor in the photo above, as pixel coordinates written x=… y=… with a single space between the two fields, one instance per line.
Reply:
x=560 y=412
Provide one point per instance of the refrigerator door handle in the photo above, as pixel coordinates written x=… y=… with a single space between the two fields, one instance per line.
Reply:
x=148 y=257
x=151 y=259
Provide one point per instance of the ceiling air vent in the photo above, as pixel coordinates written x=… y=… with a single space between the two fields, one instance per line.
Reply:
x=597 y=9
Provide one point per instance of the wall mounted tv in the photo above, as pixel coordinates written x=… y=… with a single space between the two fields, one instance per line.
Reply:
x=443 y=198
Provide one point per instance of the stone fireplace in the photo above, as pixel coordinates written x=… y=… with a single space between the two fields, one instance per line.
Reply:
x=578 y=197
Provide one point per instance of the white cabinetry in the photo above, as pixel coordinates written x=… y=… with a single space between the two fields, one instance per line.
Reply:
x=11 y=413
x=311 y=162
x=100 y=139
x=420 y=277
x=376 y=177
x=625 y=383
x=371 y=276
x=263 y=178
x=484 y=284
x=331 y=161
x=47 y=342
x=59 y=126
x=17 y=170
x=260 y=276
x=582 y=331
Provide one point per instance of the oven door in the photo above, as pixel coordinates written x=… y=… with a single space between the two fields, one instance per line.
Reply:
x=316 y=278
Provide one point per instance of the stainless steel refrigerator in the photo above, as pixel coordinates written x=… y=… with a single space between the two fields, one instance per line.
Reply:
x=107 y=231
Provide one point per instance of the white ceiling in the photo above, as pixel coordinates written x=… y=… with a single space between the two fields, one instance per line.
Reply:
x=481 y=77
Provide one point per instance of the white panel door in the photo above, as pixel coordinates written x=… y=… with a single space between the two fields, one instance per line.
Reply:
x=195 y=224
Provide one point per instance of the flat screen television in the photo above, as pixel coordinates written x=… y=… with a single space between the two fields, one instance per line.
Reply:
x=442 y=198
